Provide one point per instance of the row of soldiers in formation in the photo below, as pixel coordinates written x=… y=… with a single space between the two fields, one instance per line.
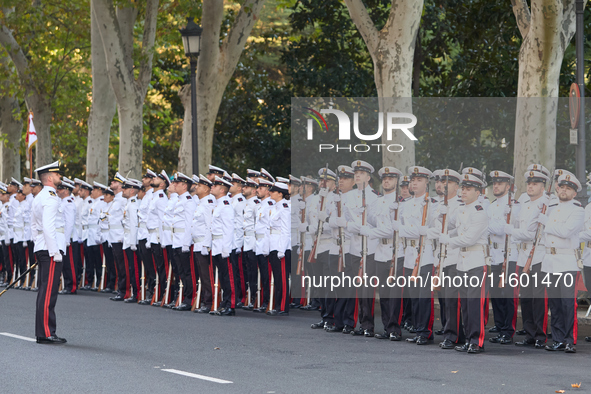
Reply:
x=527 y=248
x=204 y=243
x=216 y=242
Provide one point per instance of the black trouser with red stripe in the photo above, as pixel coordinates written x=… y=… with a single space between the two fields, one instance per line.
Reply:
x=77 y=252
x=473 y=300
x=503 y=300
x=534 y=306
x=346 y=303
x=237 y=266
x=183 y=262
x=367 y=295
x=321 y=268
x=281 y=276
x=392 y=302
x=422 y=302
x=226 y=278
x=21 y=259
x=562 y=299
x=330 y=300
x=8 y=261
x=161 y=268
x=204 y=270
x=149 y=266
x=110 y=269
x=69 y=271
x=251 y=274
x=263 y=264
x=134 y=271
x=31 y=247
x=512 y=296
x=122 y=275
x=453 y=329
x=94 y=265
x=48 y=281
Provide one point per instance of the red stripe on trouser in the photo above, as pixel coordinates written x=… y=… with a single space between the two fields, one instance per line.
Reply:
x=483 y=299
x=154 y=264
x=515 y=301
x=11 y=262
x=458 y=317
x=242 y=281
x=26 y=255
x=71 y=254
x=545 y=325
x=137 y=274
x=211 y=278
x=356 y=313
x=373 y=302
x=283 y=285
x=48 y=298
x=576 y=321
x=127 y=289
x=233 y=294
x=193 y=277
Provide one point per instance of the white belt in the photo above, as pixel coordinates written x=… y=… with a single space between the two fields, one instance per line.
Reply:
x=249 y=233
x=473 y=248
x=525 y=245
x=198 y=239
x=166 y=228
x=19 y=229
x=57 y=230
x=142 y=225
x=216 y=236
x=87 y=226
x=104 y=230
x=259 y=236
x=115 y=227
x=560 y=251
x=386 y=241
x=496 y=245
x=178 y=230
x=153 y=230
x=275 y=231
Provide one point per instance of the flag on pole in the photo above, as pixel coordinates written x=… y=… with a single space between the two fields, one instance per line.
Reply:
x=31 y=133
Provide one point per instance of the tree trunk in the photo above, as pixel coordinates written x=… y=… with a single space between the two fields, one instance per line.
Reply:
x=185 y=151
x=392 y=50
x=101 y=111
x=116 y=29
x=547 y=31
x=42 y=119
x=11 y=128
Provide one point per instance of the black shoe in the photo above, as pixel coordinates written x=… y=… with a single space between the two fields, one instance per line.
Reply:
x=87 y=287
x=262 y=309
x=66 y=292
x=540 y=344
x=334 y=328
x=412 y=340
x=520 y=332
x=412 y=330
x=447 y=344
x=308 y=308
x=423 y=341
x=570 y=348
x=182 y=307
x=106 y=290
x=52 y=340
x=28 y=288
x=117 y=298
x=406 y=326
x=158 y=303
x=171 y=305
x=248 y=307
x=463 y=348
x=147 y=301
x=283 y=313
x=384 y=335
x=212 y=312
x=494 y=329
x=368 y=333
x=526 y=342
x=18 y=287
x=226 y=312
x=474 y=349
x=316 y=326
x=587 y=339
x=272 y=312
x=295 y=305
x=35 y=289
x=203 y=309
x=395 y=337
x=556 y=346
x=358 y=332
x=131 y=300
x=502 y=339
x=347 y=329
x=94 y=289
x=239 y=305
x=439 y=332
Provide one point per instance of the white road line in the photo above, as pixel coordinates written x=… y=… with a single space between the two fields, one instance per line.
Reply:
x=196 y=376
x=7 y=334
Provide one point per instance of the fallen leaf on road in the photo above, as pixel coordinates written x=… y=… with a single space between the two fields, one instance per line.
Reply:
x=559 y=391
x=216 y=348
x=454 y=371
x=576 y=385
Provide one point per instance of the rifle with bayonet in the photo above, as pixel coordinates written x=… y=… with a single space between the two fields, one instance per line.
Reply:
x=422 y=239
x=506 y=250
x=300 y=266
x=341 y=235
x=363 y=262
x=394 y=262
x=314 y=251
x=444 y=224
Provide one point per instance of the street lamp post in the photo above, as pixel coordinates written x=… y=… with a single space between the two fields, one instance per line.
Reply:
x=191 y=35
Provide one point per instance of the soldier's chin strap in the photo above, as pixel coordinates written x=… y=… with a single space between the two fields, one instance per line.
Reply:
x=10 y=286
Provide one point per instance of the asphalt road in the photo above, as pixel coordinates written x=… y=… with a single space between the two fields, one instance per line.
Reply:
x=127 y=348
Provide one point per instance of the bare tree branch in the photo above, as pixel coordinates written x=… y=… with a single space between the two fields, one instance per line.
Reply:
x=569 y=25
x=364 y=24
x=522 y=16
x=18 y=58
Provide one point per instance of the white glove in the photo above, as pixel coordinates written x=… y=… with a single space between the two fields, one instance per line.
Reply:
x=365 y=230
x=332 y=222
x=444 y=239
x=443 y=209
x=302 y=205
x=280 y=255
x=147 y=245
x=543 y=219
x=303 y=227
x=133 y=248
x=336 y=197
x=68 y=245
x=394 y=206
x=423 y=230
x=24 y=244
x=322 y=216
x=341 y=222
x=507 y=210
x=508 y=229
x=396 y=225
x=323 y=192
x=353 y=227
x=185 y=249
x=57 y=258
x=225 y=254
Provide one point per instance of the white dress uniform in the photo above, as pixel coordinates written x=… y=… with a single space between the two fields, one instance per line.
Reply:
x=156 y=215
x=69 y=209
x=12 y=217
x=143 y=210
x=202 y=225
x=261 y=226
x=238 y=203
x=130 y=231
x=116 y=233
x=166 y=236
x=222 y=234
x=279 y=237
x=184 y=209
x=411 y=217
x=28 y=202
x=249 y=218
